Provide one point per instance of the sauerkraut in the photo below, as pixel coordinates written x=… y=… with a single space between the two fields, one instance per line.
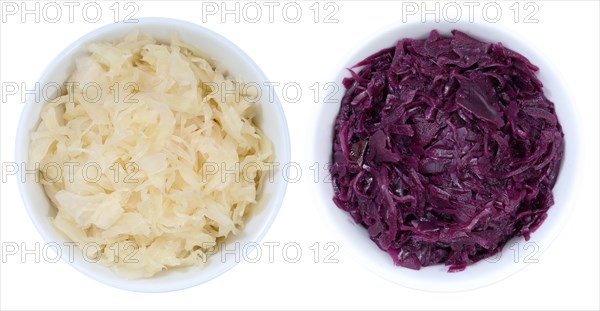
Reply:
x=160 y=154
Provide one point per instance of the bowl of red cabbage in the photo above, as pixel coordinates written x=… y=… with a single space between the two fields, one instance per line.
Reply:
x=451 y=148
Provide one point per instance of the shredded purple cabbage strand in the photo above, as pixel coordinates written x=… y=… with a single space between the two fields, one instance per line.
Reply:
x=445 y=149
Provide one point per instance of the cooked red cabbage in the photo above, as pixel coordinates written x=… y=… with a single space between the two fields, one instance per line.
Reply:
x=445 y=149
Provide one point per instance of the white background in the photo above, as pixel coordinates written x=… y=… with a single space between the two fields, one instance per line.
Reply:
x=566 y=276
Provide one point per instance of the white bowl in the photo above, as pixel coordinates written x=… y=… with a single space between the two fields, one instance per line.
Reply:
x=270 y=118
x=354 y=238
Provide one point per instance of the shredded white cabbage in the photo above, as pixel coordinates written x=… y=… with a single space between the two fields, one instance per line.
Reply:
x=164 y=114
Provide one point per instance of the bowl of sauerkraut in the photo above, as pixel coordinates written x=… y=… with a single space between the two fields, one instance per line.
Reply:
x=152 y=154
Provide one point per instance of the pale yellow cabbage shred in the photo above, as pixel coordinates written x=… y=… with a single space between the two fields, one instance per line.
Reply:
x=158 y=111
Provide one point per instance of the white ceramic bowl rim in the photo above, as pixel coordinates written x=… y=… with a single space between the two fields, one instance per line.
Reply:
x=354 y=238
x=275 y=126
